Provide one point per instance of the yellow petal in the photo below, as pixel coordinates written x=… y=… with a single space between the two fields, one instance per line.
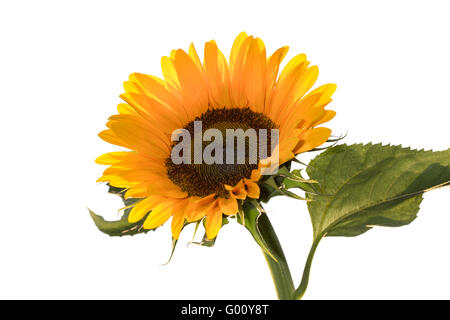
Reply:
x=139 y=141
x=159 y=215
x=213 y=222
x=125 y=108
x=154 y=112
x=326 y=91
x=193 y=54
x=111 y=137
x=252 y=188
x=141 y=209
x=255 y=75
x=256 y=174
x=286 y=91
x=198 y=207
x=273 y=65
x=306 y=81
x=238 y=191
x=177 y=222
x=136 y=193
x=293 y=64
x=165 y=187
x=237 y=66
x=236 y=48
x=229 y=206
x=192 y=82
x=329 y=114
x=313 y=138
x=156 y=88
x=218 y=76
x=169 y=71
x=111 y=157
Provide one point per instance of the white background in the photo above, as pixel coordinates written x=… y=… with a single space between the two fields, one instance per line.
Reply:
x=62 y=65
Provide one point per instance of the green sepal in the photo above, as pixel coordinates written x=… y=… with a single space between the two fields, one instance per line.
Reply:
x=280 y=183
x=174 y=246
x=252 y=214
x=308 y=186
x=118 y=191
x=206 y=242
x=270 y=186
x=120 y=227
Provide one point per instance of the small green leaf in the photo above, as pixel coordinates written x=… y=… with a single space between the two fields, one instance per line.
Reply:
x=362 y=186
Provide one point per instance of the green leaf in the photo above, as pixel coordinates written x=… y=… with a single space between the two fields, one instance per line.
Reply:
x=120 y=227
x=362 y=186
x=372 y=185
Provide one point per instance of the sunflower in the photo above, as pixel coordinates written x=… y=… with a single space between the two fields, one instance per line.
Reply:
x=248 y=91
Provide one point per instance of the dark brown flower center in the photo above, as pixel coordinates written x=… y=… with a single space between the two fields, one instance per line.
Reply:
x=202 y=179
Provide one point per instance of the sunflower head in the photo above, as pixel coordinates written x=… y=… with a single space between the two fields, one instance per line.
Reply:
x=209 y=100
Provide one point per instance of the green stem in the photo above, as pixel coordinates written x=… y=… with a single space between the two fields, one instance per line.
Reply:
x=278 y=268
x=258 y=224
x=298 y=294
